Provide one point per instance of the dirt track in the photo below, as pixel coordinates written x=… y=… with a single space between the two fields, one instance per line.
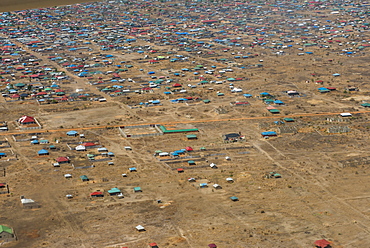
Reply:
x=183 y=122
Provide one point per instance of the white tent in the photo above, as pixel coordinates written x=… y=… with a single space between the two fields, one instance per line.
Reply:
x=140 y=228
x=80 y=148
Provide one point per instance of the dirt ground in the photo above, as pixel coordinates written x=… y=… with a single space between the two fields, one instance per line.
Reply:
x=322 y=158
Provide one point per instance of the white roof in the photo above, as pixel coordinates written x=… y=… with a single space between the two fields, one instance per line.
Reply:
x=212 y=165
x=140 y=227
x=80 y=148
x=345 y=114
x=25 y=201
x=67 y=175
x=163 y=153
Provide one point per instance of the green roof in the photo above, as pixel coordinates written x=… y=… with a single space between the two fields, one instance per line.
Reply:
x=114 y=191
x=164 y=130
x=191 y=136
x=5 y=229
x=206 y=101
x=137 y=189
x=274 y=111
x=84 y=177
x=289 y=119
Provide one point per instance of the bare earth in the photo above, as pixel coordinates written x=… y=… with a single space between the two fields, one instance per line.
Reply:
x=322 y=193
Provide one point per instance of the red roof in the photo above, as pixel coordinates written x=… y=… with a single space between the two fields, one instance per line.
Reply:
x=96 y=193
x=62 y=159
x=26 y=119
x=153 y=244
x=176 y=85
x=322 y=243
x=15 y=96
x=180 y=169
x=188 y=148
x=88 y=144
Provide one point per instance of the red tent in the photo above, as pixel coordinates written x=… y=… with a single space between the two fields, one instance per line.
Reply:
x=15 y=96
x=62 y=159
x=86 y=144
x=189 y=149
x=97 y=193
x=176 y=85
x=322 y=243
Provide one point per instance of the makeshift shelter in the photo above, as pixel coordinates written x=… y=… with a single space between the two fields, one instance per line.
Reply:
x=72 y=133
x=322 y=243
x=140 y=228
x=97 y=194
x=153 y=245
x=84 y=178
x=43 y=152
x=114 y=191
x=137 y=189
x=234 y=198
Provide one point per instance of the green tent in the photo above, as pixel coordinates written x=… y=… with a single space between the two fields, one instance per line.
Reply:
x=5 y=229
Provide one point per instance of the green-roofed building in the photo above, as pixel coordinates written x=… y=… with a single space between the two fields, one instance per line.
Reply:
x=191 y=136
x=274 y=111
x=137 y=189
x=6 y=234
x=84 y=178
x=114 y=191
x=288 y=119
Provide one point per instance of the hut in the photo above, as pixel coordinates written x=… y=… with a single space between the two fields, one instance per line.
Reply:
x=322 y=243
x=114 y=191
x=43 y=152
x=137 y=189
x=6 y=234
x=84 y=178
x=234 y=198
x=97 y=194
x=72 y=133
x=153 y=245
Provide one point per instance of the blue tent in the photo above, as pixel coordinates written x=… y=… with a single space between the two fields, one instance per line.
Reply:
x=72 y=133
x=264 y=94
x=271 y=133
x=43 y=152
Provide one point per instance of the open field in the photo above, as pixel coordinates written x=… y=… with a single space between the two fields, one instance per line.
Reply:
x=258 y=104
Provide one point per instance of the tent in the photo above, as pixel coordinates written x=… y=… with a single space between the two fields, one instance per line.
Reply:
x=322 y=243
